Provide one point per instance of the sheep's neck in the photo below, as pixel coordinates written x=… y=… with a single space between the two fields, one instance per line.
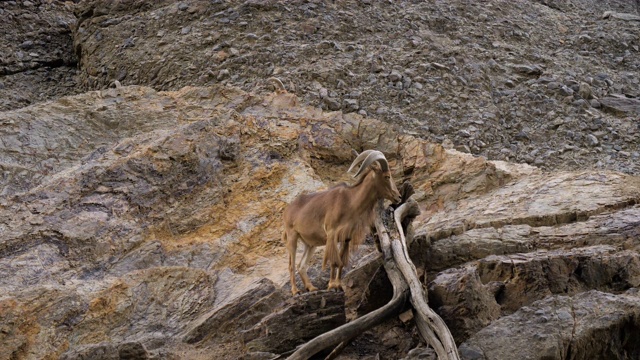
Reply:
x=365 y=196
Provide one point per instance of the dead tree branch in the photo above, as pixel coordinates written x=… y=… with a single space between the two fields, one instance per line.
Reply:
x=432 y=328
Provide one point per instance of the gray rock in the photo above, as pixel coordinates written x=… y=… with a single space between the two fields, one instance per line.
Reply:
x=592 y=140
x=565 y=91
x=226 y=320
x=300 y=319
x=132 y=351
x=350 y=105
x=102 y=351
x=574 y=325
x=395 y=76
x=332 y=103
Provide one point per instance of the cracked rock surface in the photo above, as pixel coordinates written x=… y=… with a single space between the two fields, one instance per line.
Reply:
x=157 y=231
x=141 y=218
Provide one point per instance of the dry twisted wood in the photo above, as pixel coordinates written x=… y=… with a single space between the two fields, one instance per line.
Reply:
x=432 y=328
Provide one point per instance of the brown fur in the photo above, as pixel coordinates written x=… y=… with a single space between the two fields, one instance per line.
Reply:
x=340 y=218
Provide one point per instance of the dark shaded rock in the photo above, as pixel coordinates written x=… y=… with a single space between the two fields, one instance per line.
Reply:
x=621 y=106
x=102 y=351
x=240 y=314
x=471 y=297
x=367 y=287
x=300 y=319
x=132 y=351
x=590 y=325
x=463 y=301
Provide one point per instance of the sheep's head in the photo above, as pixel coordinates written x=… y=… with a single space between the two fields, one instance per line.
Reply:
x=384 y=184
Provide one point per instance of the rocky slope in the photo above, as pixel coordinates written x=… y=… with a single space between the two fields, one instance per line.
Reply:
x=37 y=61
x=550 y=83
x=157 y=228
x=144 y=222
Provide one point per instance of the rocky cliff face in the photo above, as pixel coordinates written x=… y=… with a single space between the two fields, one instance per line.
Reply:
x=144 y=222
x=158 y=224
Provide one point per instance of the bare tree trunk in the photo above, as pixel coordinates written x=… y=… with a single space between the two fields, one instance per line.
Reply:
x=432 y=328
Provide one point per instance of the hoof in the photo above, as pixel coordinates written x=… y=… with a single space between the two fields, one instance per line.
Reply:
x=312 y=289
x=295 y=292
x=335 y=287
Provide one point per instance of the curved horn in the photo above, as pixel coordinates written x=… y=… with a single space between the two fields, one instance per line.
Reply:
x=374 y=156
x=359 y=158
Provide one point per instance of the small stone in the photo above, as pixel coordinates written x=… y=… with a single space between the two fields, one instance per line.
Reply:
x=351 y=105
x=395 y=76
x=527 y=69
x=585 y=91
x=355 y=94
x=332 y=103
x=464 y=133
x=553 y=85
x=224 y=73
x=132 y=350
x=183 y=6
x=185 y=30
x=592 y=140
x=581 y=103
x=128 y=42
x=406 y=316
x=522 y=136
x=439 y=66
x=565 y=90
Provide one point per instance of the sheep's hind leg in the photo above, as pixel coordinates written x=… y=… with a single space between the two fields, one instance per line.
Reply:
x=304 y=265
x=291 y=241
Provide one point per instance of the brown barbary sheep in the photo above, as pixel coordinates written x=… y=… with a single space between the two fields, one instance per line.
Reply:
x=340 y=218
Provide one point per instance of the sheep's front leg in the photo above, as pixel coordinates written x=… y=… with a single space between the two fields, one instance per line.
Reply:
x=344 y=260
x=333 y=282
